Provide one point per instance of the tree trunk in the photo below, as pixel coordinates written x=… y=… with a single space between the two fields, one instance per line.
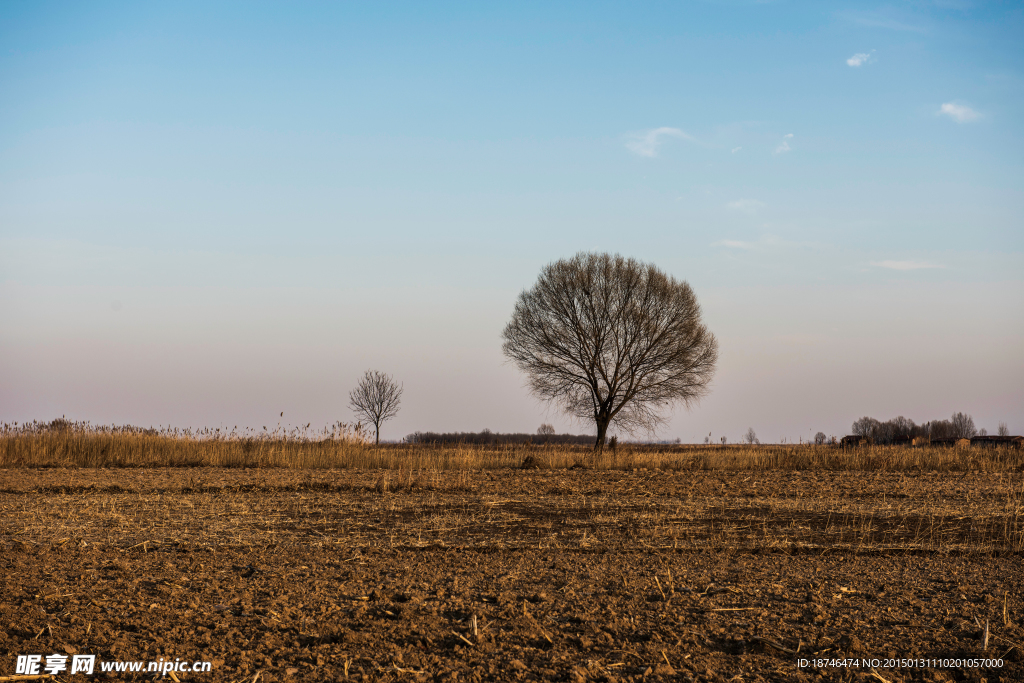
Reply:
x=376 y=427
x=602 y=432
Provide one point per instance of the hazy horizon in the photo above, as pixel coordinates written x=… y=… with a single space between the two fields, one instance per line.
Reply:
x=210 y=215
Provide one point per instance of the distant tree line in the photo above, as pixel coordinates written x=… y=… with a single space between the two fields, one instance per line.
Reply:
x=900 y=429
x=487 y=437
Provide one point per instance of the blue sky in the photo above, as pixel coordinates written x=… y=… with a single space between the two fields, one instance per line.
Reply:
x=212 y=213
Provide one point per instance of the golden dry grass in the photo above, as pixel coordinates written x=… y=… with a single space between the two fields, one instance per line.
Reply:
x=87 y=447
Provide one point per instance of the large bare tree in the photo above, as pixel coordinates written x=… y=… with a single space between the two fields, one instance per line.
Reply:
x=376 y=399
x=963 y=426
x=612 y=340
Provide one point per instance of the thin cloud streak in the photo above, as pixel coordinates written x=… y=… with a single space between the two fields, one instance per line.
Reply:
x=800 y=339
x=875 y=20
x=733 y=244
x=646 y=144
x=748 y=206
x=905 y=265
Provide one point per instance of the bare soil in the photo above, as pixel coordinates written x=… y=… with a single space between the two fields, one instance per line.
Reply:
x=572 y=575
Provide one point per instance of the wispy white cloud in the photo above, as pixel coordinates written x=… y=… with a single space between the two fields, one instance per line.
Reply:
x=733 y=244
x=905 y=265
x=784 y=145
x=961 y=5
x=767 y=242
x=859 y=59
x=736 y=149
x=646 y=143
x=749 y=206
x=882 y=20
x=960 y=113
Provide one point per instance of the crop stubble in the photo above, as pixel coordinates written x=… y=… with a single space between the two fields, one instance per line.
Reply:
x=566 y=574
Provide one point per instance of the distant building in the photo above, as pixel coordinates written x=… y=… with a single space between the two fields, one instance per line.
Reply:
x=993 y=441
x=984 y=441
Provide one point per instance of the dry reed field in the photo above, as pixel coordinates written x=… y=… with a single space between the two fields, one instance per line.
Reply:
x=80 y=445
x=288 y=558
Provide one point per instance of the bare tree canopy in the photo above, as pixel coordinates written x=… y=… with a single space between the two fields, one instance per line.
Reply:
x=866 y=426
x=376 y=399
x=963 y=426
x=611 y=339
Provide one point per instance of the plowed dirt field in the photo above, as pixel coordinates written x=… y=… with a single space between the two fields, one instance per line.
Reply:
x=578 y=575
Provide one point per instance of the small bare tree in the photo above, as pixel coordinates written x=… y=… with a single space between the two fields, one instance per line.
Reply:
x=751 y=436
x=820 y=439
x=611 y=339
x=1003 y=429
x=376 y=399
x=547 y=431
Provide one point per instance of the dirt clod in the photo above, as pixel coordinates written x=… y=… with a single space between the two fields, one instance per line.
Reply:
x=851 y=643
